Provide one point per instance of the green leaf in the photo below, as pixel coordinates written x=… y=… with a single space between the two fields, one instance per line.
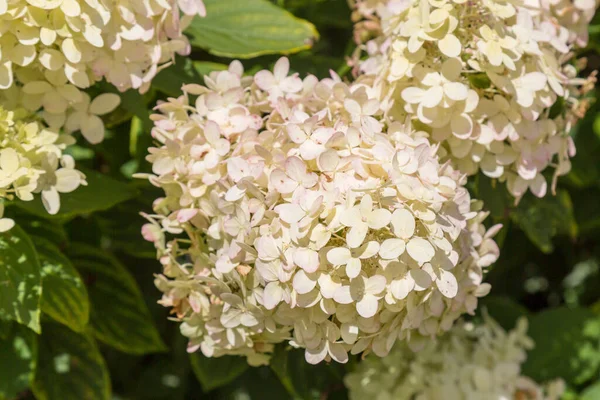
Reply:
x=184 y=71
x=123 y=224
x=118 y=315
x=496 y=198
x=216 y=372
x=250 y=28
x=17 y=361
x=542 y=219
x=70 y=367
x=503 y=310
x=101 y=193
x=567 y=345
x=291 y=368
x=65 y=297
x=591 y=393
x=20 y=279
x=53 y=231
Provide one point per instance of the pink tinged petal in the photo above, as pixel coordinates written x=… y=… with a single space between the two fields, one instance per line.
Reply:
x=517 y=186
x=151 y=232
x=402 y=287
x=337 y=352
x=92 y=129
x=403 y=223
x=356 y=235
x=315 y=356
x=307 y=259
x=351 y=217
x=290 y=213
x=104 y=103
x=51 y=200
x=539 y=186
x=310 y=150
x=201 y=9
x=328 y=161
x=379 y=218
x=367 y=306
x=291 y=84
x=353 y=268
x=339 y=256
x=67 y=180
x=281 y=182
x=281 y=69
x=302 y=284
x=420 y=250
x=186 y=214
x=295 y=168
x=391 y=249
x=343 y=296
x=447 y=284
x=296 y=134
x=264 y=80
x=272 y=295
x=421 y=278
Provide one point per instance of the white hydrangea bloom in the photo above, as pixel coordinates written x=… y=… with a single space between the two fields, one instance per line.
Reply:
x=471 y=362
x=481 y=78
x=31 y=161
x=54 y=48
x=297 y=216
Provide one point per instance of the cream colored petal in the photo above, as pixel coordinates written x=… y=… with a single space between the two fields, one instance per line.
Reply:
x=92 y=128
x=105 y=103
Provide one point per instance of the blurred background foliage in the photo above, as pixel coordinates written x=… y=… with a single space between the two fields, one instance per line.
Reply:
x=105 y=337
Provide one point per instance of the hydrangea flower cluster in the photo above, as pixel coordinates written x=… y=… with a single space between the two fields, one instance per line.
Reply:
x=51 y=49
x=470 y=362
x=32 y=161
x=488 y=80
x=304 y=219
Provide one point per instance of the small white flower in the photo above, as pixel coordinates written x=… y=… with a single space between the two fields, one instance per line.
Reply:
x=361 y=218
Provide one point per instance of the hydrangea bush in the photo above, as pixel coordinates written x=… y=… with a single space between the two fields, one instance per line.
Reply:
x=470 y=362
x=51 y=51
x=489 y=80
x=349 y=220
x=306 y=217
